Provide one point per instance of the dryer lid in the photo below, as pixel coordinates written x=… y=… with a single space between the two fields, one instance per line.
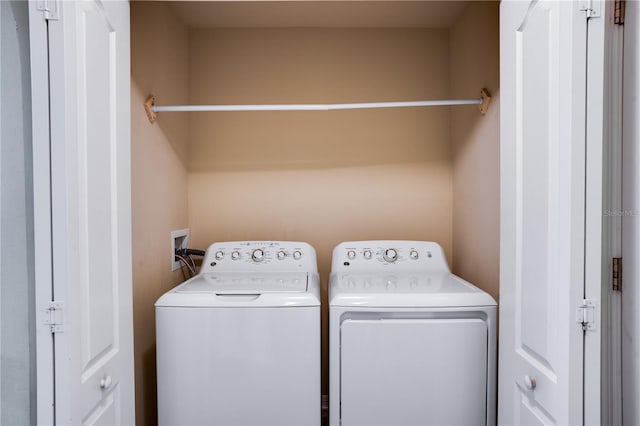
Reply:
x=414 y=289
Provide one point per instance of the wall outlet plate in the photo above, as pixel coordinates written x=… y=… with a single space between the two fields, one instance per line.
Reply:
x=179 y=240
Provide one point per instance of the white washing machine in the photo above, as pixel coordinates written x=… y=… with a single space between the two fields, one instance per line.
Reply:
x=239 y=343
x=410 y=343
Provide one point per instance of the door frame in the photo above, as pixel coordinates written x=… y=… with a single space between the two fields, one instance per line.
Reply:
x=603 y=233
x=611 y=365
x=43 y=255
x=594 y=232
x=630 y=215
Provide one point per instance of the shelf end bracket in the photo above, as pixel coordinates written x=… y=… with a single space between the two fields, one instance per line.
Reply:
x=486 y=100
x=149 y=103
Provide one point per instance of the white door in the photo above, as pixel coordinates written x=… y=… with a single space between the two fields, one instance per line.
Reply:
x=89 y=107
x=543 y=86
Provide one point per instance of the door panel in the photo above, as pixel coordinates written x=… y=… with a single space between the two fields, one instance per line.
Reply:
x=413 y=371
x=97 y=196
x=90 y=149
x=543 y=71
x=536 y=146
x=107 y=412
x=532 y=415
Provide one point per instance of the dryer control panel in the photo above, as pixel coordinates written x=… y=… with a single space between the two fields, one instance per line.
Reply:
x=388 y=255
x=246 y=256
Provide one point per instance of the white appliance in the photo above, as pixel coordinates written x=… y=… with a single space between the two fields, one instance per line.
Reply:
x=239 y=343
x=410 y=343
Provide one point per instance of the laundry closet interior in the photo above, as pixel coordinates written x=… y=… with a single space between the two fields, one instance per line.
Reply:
x=323 y=177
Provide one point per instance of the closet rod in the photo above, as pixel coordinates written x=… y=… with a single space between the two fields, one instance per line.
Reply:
x=151 y=108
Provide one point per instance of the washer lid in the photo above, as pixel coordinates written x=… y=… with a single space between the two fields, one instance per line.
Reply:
x=242 y=283
x=417 y=290
x=244 y=290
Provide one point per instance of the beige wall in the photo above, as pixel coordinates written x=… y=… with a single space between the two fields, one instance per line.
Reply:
x=159 y=179
x=317 y=66
x=474 y=47
x=323 y=177
x=160 y=64
x=323 y=206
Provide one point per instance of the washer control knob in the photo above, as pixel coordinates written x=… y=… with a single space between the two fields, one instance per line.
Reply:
x=413 y=254
x=257 y=255
x=235 y=255
x=297 y=254
x=219 y=255
x=351 y=254
x=390 y=255
x=367 y=254
x=281 y=255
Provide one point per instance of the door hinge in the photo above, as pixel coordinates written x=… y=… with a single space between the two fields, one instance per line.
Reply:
x=50 y=8
x=55 y=316
x=616 y=280
x=592 y=7
x=619 y=7
x=586 y=314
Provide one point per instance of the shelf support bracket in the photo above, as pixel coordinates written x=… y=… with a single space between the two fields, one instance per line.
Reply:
x=149 y=103
x=486 y=100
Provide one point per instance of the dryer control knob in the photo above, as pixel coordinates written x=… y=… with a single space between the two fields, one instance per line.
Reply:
x=235 y=255
x=351 y=254
x=257 y=255
x=219 y=255
x=367 y=254
x=390 y=255
x=281 y=255
x=413 y=254
x=297 y=254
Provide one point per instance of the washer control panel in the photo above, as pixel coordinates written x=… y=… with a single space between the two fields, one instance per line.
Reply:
x=247 y=256
x=389 y=255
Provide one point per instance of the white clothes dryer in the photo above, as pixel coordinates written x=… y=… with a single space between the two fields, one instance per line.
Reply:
x=239 y=343
x=410 y=343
